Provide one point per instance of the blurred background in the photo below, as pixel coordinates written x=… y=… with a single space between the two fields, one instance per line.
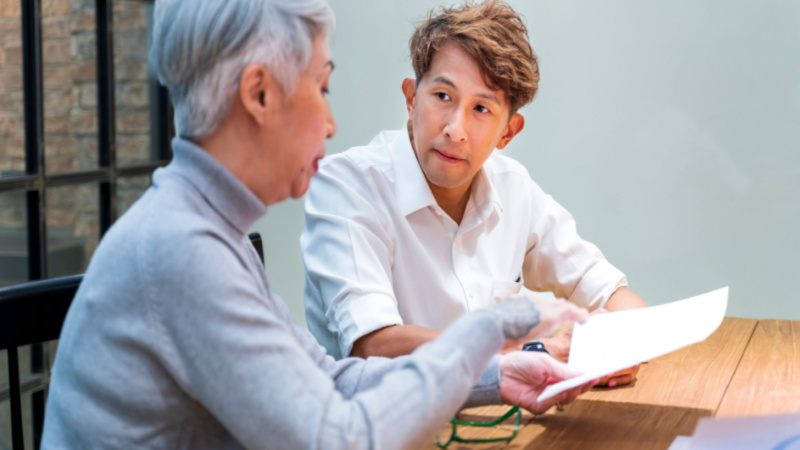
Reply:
x=670 y=130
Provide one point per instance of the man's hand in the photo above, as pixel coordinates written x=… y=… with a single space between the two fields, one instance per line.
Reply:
x=524 y=375
x=625 y=376
x=526 y=317
x=558 y=345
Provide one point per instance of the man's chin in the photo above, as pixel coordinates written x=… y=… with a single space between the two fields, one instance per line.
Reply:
x=446 y=182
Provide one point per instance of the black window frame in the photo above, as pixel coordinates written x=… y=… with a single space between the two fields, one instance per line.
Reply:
x=35 y=182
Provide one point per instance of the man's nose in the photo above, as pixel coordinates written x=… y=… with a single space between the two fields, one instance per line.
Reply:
x=456 y=128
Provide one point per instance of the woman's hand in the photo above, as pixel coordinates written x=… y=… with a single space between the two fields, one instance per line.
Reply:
x=527 y=317
x=524 y=375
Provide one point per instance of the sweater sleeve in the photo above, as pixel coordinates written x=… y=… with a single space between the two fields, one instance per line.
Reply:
x=352 y=375
x=227 y=349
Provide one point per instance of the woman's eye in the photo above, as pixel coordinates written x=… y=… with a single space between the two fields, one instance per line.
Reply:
x=442 y=96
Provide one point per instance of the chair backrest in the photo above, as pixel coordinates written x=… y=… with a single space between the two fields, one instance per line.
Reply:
x=255 y=239
x=32 y=313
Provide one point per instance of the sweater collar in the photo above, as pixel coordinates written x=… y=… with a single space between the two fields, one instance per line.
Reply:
x=226 y=194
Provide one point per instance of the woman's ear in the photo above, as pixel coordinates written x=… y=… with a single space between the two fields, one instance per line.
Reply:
x=258 y=91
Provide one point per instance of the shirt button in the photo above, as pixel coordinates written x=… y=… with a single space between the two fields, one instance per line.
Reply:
x=471 y=296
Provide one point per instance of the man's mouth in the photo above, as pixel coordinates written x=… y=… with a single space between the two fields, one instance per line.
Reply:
x=445 y=157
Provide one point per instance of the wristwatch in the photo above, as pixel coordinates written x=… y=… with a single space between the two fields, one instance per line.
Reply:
x=535 y=346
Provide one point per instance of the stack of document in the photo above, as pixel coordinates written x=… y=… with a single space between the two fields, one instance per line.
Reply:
x=777 y=432
x=610 y=342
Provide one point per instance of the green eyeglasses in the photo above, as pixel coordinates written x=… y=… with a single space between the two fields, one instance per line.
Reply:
x=454 y=437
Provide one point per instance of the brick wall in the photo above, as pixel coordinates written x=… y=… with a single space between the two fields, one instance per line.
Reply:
x=70 y=108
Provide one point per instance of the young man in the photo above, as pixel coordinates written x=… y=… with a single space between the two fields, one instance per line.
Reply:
x=175 y=339
x=404 y=235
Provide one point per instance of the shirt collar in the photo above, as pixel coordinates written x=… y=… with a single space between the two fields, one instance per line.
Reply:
x=484 y=193
x=411 y=186
x=234 y=202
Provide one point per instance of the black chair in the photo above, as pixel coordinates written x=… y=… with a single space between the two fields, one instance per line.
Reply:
x=33 y=313
x=255 y=239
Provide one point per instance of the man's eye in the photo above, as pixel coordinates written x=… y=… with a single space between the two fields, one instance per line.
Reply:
x=481 y=109
x=325 y=91
x=442 y=96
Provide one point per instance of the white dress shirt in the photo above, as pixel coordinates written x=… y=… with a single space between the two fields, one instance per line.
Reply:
x=379 y=251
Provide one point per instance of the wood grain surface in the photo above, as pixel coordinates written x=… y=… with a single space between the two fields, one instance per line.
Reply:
x=587 y=424
x=670 y=395
x=768 y=378
x=692 y=377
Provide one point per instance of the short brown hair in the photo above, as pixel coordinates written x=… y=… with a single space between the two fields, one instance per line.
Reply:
x=496 y=38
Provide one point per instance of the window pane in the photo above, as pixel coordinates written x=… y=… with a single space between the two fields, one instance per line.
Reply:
x=69 y=52
x=136 y=90
x=42 y=355
x=72 y=228
x=13 y=239
x=5 y=406
x=129 y=189
x=12 y=111
x=27 y=419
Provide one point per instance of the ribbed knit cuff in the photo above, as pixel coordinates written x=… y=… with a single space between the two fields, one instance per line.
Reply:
x=487 y=389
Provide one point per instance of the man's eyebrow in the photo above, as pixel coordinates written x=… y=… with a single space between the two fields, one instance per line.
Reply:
x=443 y=80
x=490 y=97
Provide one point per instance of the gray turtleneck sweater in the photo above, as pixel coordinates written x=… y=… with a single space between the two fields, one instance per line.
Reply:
x=175 y=340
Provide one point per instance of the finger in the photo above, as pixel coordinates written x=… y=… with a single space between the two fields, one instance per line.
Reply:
x=558 y=311
x=572 y=313
x=570 y=395
x=588 y=386
x=606 y=380
x=556 y=370
x=598 y=311
x=621 y=380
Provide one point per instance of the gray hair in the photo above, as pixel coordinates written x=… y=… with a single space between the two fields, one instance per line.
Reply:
x=201 y=47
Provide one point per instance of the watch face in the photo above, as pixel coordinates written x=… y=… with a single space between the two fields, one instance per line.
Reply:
x=534 y=346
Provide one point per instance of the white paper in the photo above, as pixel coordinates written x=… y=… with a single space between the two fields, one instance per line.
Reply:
x=779 y=432
x=681 y=443
x=610 y=342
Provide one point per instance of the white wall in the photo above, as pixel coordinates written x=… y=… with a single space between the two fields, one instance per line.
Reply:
x=671 y=131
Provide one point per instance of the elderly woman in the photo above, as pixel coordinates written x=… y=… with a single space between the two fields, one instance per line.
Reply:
x=175 y=339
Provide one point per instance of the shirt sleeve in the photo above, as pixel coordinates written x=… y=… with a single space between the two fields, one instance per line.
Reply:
x=347 y=252
x=223 y=345
x=558 y=260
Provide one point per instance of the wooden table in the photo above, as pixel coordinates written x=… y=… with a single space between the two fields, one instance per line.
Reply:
x=746 y=367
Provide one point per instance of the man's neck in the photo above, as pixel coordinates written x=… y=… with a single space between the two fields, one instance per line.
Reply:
x=452 y=200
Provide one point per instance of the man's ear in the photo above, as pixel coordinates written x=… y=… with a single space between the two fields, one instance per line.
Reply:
x=515 y=125
x=257 y=92
x=410 y=91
